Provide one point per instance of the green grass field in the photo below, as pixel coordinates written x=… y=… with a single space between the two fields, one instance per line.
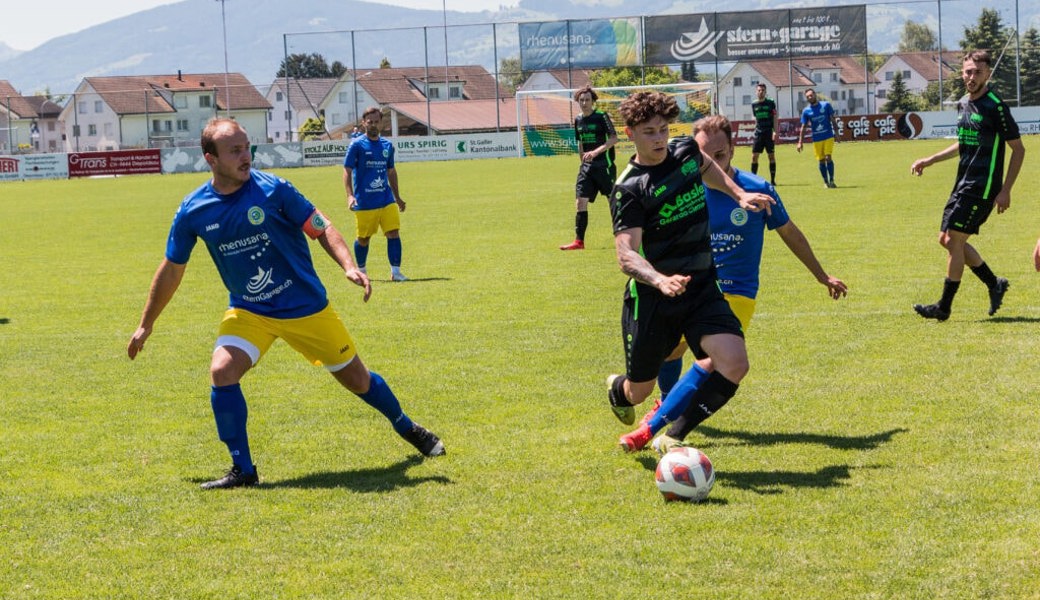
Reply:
x=868 y=454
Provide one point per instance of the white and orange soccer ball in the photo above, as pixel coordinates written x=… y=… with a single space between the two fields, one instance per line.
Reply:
x=686 y=474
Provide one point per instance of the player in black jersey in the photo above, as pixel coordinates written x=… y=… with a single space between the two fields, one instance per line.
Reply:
x=663 y=244
x=766 y=131
x=594 y=132
x=984 y=126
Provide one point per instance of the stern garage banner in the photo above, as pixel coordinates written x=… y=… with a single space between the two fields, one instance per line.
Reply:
x=756 y=35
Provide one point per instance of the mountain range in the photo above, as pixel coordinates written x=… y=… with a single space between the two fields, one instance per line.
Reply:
x=188 y=35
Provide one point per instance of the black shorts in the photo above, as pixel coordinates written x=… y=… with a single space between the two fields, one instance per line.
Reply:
x=763 y=142
x=595 y=177
x=965 y=213
x=652 y=325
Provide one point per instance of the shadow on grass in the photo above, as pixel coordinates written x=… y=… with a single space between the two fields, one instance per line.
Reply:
x=774 y=482
x=841 y=442
x=411 y=280
x=383 y=479
x=1011 y=320
x=4 y=320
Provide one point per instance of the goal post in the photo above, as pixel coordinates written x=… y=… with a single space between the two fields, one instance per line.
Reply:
x=545 y=118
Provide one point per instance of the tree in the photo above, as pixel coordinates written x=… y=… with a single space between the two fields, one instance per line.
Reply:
x=510 y=74
x=899 y=99
x=689 y=71
x=385 y=63
x=1030 y=67
x=312 y=129
x=632 y=76
x=917 y=37
x=309 y=66
x=991 y=34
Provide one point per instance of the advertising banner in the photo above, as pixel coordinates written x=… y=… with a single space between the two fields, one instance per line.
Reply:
x=584 y=44
x=118 y=162
x=756 y=35
x=10 y=168
x=184 y=160
x=45 y=166
x=456 y=147
x=323 y=153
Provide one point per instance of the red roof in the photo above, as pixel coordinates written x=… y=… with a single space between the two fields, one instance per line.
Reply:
x=127 y=95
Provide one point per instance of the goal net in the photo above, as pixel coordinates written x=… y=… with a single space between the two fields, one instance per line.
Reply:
x=545 y=118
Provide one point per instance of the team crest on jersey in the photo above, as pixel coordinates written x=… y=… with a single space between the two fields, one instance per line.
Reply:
x=738 y=217
x=256 y=215
x=386 y=153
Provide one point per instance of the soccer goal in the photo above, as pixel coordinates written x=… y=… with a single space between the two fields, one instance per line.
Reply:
x=545 y=118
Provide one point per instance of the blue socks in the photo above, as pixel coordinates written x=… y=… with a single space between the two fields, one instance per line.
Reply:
x=360 y=254
x=393 y=251
x=230 y=413
x=668 y=375
x=674 y=404
x=823 y=171
x=380 y=397
x=830 y=169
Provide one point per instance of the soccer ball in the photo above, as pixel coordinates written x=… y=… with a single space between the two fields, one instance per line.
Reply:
x=685 y=474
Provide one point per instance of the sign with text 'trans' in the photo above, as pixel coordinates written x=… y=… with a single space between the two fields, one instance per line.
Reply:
x=584 y=44
x=757 y=35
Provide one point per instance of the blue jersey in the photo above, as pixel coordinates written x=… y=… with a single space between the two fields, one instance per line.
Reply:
x=370 y=160
x=257 y=242
x=819 y=117
x=737 y=235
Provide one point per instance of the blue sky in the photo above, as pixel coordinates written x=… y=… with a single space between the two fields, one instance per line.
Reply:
x=22 y=28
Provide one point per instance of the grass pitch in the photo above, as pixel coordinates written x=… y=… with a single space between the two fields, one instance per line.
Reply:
x=868 y=454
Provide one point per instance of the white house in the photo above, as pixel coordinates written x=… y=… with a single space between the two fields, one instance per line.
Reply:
x=112 y=113
x=294 y=101
x=842 y=81
x=28 y=123
x=918 y=69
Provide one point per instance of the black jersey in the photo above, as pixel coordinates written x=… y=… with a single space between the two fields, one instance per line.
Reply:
x=983 y=126
x=667 y=201
x=593 y=131
x=765 y=112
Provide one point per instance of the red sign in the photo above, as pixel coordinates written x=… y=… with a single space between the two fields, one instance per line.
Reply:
x=120 y=162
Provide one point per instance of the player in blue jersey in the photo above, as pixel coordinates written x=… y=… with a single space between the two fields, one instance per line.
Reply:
x=819 y=117
x=255 y=227
x=737 y=237
x=370 y=179
x=984 y=126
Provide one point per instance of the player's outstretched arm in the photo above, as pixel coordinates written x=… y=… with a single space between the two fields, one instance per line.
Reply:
x=165 y=282
x=336 y=247
x=717 y=179
x=922 y=163
x=799 y=246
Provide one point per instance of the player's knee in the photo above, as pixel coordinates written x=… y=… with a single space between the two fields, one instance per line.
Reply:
x=392 y=234
x=733 y=368
x=363 y=240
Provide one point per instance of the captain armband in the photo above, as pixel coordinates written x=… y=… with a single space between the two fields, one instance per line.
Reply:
x=316 y=225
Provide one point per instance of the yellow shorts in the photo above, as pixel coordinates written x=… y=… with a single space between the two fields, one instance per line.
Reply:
x=322 y=337
x=743 y=307
x=369 y=222
x=823 y=149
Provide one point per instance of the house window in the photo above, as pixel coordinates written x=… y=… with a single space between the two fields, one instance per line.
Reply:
x=843 y=94
x=288 y=115
x=270 y=116
x=167 y=126
x=906 y=74
x=817 y=77
x=50 y=126
x=335 y=119
x=435 y=92
x=889 y=75
x=455 y=92
x=754 y=81
x=155 y=126
x=882 y=94
x=834 y=77
x=277 y=96
x=738 y=81
x=180 y=101
x=746 y=99
x=91 y=129
x=182 y=125
x=344 y=97
x=81 y=107
x=99 y=106
x=205 y=102
x=729 y=100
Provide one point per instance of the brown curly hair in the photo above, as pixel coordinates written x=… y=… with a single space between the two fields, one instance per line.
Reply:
x=586 y=90
x=640 y=107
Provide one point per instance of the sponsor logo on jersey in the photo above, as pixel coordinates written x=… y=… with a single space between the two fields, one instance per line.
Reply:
x=256 y=215
x=212 y=227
